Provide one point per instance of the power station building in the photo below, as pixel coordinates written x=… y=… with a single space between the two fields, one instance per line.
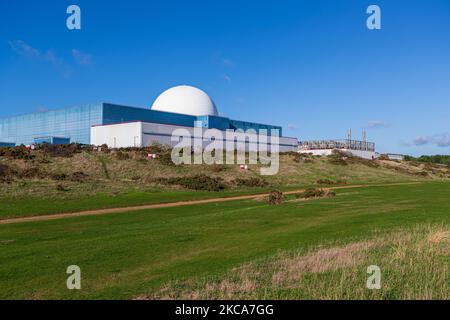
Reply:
x=359 y=148
x=181 y=107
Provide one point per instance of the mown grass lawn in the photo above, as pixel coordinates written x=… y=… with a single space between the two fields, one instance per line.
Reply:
x=26 y=206
x=131 y=254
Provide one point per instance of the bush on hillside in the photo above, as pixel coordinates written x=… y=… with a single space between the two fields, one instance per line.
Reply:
x=120 y=155
x=6 y=173
x=422 y=173
x=218 y=167
x=366 y=162
x=275 y=197
x=300 y=157
x=197 y=182
x=316 y=193
x=60 y=187
x=383 y=157
x=338 y=157
x=19 y=152
x=165 y=158
x=60 y=150
x=325 y=181
x=30 y=172
x=250 y=182
x=104 y=148
x=79 y=176
x=439 y=159
x=58 y=176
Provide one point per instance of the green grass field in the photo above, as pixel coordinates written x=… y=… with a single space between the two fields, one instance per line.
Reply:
x=138 y=254
x=35 y=206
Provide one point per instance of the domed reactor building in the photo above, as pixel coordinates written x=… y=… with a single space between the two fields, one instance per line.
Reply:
x=118 y=126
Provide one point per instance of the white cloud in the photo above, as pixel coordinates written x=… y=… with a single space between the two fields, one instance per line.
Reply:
x=440 y=140
x=443 y=140
x=375 y=124
x=81 y=58
x=24 y=49
x=226 y=78
x=228 y=62
x=420 y=141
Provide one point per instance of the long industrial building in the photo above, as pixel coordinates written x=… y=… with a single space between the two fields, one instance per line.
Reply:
x=124 y=126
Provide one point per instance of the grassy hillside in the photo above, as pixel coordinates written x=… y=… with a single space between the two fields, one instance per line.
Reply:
x=45 y=181
x=138 y=254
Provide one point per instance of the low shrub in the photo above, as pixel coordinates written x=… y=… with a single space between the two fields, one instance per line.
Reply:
x=300 y=157
x=119 y=155
x=60 y=187
x=79 y=176
x=19 y=152
x=325 y=181
x=338 y=158
x=330 y=182
x=421 y=173
x=297 y=157
x=60 y=150
x=316 y=193
x=218 y=167
x=275 y=197
x=197 y=182
x=44 y=160
x=312 y=193
x=58 y=176
x=104 y=148
x=250 y=182
x=440 y=159
x=165 y=158
x=366 y=162
x=31 y=172
x=6 y=173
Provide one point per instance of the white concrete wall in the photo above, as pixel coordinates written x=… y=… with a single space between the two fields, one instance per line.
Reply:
x=392 y=156
x=318 y=152
x=118 y=136
x=144 y=134
x=364 y=154
x=326 y=152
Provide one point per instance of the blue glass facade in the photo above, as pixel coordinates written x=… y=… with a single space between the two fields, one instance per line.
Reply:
x=222 y=123
x=74 y=123
x=113 y=113
x=52 y=140
x=7 y=144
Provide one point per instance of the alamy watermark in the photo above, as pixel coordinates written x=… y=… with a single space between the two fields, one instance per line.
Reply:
x=374 y=20
x=213 y=146
x=74 y=280
x=73 y=21
x=374 y=280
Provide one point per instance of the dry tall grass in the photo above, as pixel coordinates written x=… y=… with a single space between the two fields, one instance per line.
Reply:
x=414 y=264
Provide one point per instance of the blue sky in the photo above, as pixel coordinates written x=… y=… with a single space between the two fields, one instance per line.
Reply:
x=311 y=66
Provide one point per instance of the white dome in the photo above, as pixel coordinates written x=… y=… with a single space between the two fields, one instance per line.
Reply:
x=185 y=100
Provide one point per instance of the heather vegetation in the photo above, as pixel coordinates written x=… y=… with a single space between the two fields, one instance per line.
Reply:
x=439 y=159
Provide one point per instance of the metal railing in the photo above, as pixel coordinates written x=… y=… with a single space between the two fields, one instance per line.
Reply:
x=337 y=144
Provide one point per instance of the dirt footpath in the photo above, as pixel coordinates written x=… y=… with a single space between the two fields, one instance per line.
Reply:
x=173 y=204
